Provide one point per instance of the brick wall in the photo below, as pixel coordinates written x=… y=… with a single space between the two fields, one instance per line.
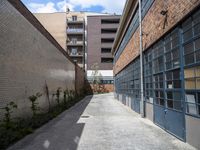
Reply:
x=153 y=27
x=30 y=60
x=79 y=79
x=103 y=88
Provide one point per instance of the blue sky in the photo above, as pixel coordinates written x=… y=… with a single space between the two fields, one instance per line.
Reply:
x=48 y=6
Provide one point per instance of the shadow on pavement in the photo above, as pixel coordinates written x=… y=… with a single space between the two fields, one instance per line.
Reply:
x=61 y=133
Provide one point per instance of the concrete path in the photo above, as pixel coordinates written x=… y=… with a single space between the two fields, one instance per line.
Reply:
x=100 y=123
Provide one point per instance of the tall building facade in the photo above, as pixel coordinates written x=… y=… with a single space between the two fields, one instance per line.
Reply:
x=101 y=31
x=170 y=68
x=55 y=24
x=76 y=37
x=69 y=29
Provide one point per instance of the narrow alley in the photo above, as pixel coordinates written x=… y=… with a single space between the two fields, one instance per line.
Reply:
x=100 y=122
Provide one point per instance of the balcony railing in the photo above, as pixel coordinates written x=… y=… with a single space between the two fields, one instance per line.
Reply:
x=75 y=43
x=78 y=20
x=76 y=54
x=75 y=30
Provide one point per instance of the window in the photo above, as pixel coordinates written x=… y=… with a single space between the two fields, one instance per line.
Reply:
x=128 y=80
x=173 y=79
x=131 y=29
x=158 y=59
x=107 y=40
x=109 y=30
x=159 y=91
x=174 y=100
x=74 y=40
x=148 y=78
x=172 y=52
x=193 y=103
x=146 y=4
x=74 y=51
x=192 y=78
x=105 y=50
x=106 y=60
x=191 y=39
x=192 y=87
x=74 y=18
x=110 y=21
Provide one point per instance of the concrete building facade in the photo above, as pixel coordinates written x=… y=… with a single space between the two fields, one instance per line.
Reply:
x=76 y=37
x=169 y=37
x=69 y=29
x=54 y=23
x=101 y=31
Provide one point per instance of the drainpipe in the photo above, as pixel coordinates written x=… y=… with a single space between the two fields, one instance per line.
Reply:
x=141 y=63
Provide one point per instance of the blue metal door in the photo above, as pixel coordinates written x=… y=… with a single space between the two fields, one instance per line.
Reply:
x=136 y=106
x=170 y=120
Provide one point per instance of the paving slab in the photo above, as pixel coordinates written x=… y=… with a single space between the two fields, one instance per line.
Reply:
x=100 y=122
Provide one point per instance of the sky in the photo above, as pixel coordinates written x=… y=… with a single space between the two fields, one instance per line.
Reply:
x=49 y=6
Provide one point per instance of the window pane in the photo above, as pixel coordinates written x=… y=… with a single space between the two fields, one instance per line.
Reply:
x=197 y=29
x=162 y=102
x=176 y=74
x=169 y=85
x=168 y=65
x=176 y=63
x=168 y=75
x=196 y=17
x=175 y=42
x=177 y=84
x=191 y=97
x=187 y=35
x=188 y=48
x=177 y=96
x=177 y=105
x=197 y=44
x=168 y=46
x=198 y=83
x=175 y=53
x=189 y=59
x=198 y=71
x=168 y=56
x=187 y=24
x=197 y=56
x=198 y=97
x=170 y=104
x=169 y=95
x=189 y=73
x=190 y=83
x=191 y=108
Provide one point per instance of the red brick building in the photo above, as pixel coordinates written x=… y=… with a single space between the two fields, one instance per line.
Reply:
x=170 y=64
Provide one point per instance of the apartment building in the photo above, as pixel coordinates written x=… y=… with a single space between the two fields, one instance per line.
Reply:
x=157 y=64
x=101 y=31
x=69 y=29
x=76 y=37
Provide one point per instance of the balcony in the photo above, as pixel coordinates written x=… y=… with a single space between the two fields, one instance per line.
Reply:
x=77 y=43
x=76 y=55
x=77 y=21
x=75 y=31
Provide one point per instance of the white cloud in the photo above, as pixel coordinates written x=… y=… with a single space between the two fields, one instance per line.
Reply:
x=109 y=6
x=42 y=8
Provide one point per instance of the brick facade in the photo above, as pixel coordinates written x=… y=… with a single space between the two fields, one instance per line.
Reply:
x=31 y=60
x=152 y=26
x=79 y=79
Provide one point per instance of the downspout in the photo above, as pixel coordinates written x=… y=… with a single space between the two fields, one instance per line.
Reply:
x=141 y=63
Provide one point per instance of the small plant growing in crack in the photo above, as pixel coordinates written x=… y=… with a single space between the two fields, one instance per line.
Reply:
x=58 y=92
x=34 y=103
x=7 y=116
x=65 y=96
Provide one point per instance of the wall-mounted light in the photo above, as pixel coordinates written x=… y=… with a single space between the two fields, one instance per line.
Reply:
x=164 y=12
